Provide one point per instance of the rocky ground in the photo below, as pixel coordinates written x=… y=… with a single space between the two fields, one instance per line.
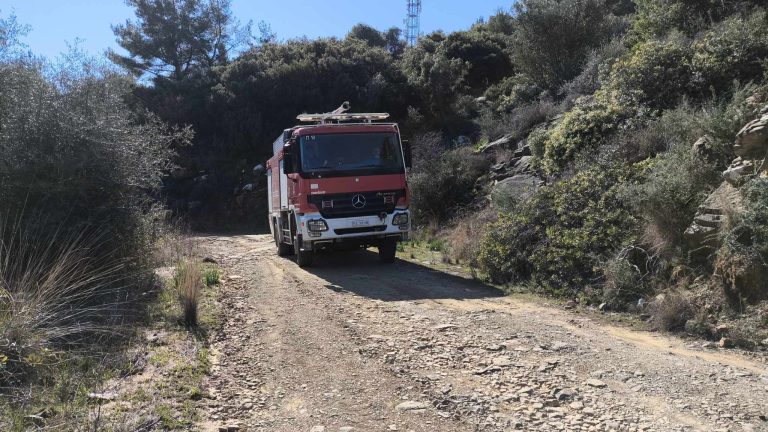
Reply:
x=354 y=345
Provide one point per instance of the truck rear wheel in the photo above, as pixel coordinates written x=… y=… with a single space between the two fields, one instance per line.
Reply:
x=387 y=250
x=283 y=249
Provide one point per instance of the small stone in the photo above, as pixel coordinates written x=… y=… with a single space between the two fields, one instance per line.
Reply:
x=105 y=396
x=566 y=394
x=443 y=327
x=346 y=429
x=570 y=304
x=726 y=343
x=210 y=260
x=576 y=405
x=229 y=428
x=411 y=406
x=317 y=429
x=502 y=361
x=592 y=382
x=603 y=307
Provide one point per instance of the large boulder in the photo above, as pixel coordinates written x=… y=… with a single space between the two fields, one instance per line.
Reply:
x=739 y=171
x=501 y=143
x=752 y=139
x=723 y=203
x=518 y=187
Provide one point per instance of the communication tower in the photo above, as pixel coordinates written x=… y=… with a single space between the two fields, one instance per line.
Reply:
x=412 y=24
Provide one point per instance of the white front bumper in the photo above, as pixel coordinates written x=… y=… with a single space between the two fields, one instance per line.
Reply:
x=356 y=223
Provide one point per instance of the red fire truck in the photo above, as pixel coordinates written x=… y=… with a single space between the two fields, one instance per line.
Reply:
x=338 y=181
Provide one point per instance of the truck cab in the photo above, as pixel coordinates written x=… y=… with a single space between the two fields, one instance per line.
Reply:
x=339 y=183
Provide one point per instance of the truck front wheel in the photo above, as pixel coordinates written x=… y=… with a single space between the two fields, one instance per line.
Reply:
x=387 y=250
x=303 y=258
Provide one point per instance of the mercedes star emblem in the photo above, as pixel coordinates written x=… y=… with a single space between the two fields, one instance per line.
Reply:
x=358 y=201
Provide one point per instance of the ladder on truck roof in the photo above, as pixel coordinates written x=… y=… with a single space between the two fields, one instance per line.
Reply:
x=340 y=114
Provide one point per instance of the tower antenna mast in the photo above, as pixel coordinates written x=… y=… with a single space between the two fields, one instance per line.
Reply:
x=412 y=22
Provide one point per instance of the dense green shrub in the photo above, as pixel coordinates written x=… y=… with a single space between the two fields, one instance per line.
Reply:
x=735 y=49
x=674 y=185
x=511 y=92
x=73 y=151
x=445 y=183
x=552 y=37
x=656 y=18
x=559 y=236
x=656 y=73
x=583 y=128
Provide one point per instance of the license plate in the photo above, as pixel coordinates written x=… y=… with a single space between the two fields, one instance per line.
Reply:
x=360 y=222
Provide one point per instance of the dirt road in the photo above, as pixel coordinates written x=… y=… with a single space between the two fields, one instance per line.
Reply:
x=354 y=345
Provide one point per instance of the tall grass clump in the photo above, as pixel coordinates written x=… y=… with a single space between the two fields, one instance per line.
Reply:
x=188 y=282
x=55 y=294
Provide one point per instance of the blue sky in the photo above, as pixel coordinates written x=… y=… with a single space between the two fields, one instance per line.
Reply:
x=56 y=22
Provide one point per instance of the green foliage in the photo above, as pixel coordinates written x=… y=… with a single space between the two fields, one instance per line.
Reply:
x=74 y=151
x=735 y=49
x=558 y=237
x=445 y=184
x=583 y=128
x=656 y=73
x=675 y=184
x=552 y=37
x=656 y=18
x=211 y=275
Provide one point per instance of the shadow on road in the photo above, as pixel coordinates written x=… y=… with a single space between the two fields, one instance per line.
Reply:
x=361 y=273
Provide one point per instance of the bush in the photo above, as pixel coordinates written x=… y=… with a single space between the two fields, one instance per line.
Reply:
x=734 y=49
x=742 y=260
x=443 y=185
x=518 y=122
x=75 y=152
x=552 y=38
x=558 y=237
x=464 y=240
x=584 y=128
x=672 y=311
x=675 y=183
x=655 y=73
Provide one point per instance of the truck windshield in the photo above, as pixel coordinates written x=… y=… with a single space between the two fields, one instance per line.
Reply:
x=329 y=155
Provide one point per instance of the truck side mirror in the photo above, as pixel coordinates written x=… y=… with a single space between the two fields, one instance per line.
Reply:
x=407 y=153
x=288 y=166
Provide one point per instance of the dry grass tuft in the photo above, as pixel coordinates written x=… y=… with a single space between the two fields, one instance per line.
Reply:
x=55 y=292
x=672 y=311
x=189 y=284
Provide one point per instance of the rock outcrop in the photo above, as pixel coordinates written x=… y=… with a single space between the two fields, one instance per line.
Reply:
x=751 y=149
x=516 y=178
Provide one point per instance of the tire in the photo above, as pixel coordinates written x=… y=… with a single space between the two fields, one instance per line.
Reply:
x=283 y=249
x=387 y=250
x=303 y=258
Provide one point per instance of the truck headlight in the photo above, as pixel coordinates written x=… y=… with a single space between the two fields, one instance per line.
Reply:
x=400 y=219
x=317 y=225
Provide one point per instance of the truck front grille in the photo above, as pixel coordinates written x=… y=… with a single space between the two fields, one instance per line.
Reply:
x=342 y=231
x=332 y=206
